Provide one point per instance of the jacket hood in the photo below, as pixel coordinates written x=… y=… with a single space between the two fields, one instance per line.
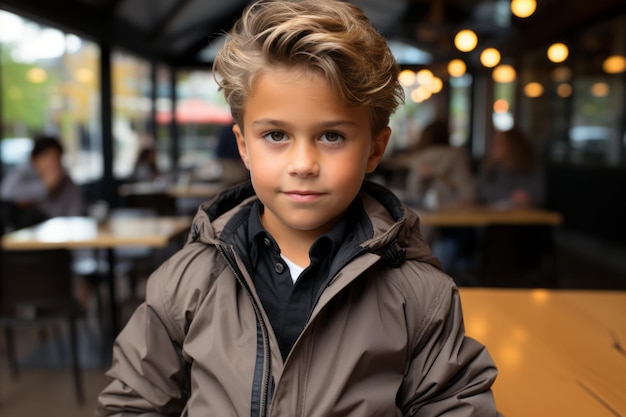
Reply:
x=396 y=236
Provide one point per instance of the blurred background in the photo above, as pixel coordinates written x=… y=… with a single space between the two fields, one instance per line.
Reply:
x=111 y=77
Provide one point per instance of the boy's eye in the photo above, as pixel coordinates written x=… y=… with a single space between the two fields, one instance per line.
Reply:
x=332 y=137
x=275 y=136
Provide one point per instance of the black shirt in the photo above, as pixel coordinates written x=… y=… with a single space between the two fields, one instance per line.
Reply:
x=287 y=304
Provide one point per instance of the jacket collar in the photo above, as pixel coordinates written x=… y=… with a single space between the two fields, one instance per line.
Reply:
x=396 y=230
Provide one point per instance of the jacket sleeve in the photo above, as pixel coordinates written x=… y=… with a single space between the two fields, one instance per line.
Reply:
x=148 y=371
x=450 y=373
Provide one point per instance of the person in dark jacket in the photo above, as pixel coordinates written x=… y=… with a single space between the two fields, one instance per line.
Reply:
x=307 y=291
x=512 y=176
x=42 y=188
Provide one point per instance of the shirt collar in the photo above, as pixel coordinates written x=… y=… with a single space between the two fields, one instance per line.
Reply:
x=326 y=245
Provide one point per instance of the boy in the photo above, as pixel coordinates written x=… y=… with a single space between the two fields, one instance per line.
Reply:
x=308 y=292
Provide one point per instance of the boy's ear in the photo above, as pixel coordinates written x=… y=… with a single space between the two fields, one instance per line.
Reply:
x=241 y=145
x=378 y=149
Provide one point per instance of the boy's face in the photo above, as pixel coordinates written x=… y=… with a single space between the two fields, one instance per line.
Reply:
x=306 y=150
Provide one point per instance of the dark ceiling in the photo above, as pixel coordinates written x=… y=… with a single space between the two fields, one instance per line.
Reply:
x=179 y=32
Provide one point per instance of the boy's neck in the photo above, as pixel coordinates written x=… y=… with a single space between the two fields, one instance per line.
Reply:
x=296 y=250
x=293 y=244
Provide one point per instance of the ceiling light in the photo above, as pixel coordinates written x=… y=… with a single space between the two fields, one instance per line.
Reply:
x=533 y=90
x=614 y=64
x=420 y=94
x=523 y=8
x=465 y=40
x=564 y=90
x=424 y=76
x=501 y=106
x=600 y=89
x=490 y=57
x=456 y=68
x=561 y=74
x=504 y=74
x=406 y=77
x=558 y=52
x=436 y=85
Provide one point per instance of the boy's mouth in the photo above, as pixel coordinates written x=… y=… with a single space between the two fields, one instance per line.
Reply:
x=303 y=196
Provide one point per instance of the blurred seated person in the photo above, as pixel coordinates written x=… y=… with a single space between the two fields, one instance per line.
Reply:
x=440 y=176
x=41 y=188
x=511 y=176
x=233 y=169
x=439 y=173
x=145 y=169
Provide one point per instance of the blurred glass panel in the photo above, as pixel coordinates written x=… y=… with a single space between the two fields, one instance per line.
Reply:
x=579 y=118
x=163 y=105
x=131 y=111
x=597 y=112
x=201 y=112
x=460 y=109
x=50 y=84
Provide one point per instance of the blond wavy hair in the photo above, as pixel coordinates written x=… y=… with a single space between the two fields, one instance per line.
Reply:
x=330 y=37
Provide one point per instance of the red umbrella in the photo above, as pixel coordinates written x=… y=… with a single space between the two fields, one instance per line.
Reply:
x=198 y=111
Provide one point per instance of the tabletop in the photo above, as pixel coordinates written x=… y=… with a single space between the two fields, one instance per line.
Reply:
x=85 y=232
x=559 y=352
x=187 y=190
x=477 y=216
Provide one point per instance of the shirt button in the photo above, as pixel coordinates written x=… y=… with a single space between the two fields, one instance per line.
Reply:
x=279 y=268
x=267 y=242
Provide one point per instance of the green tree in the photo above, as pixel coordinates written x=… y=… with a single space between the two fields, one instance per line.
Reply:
x=24 y=103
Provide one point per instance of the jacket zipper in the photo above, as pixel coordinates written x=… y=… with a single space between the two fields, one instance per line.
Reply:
x=228 y=257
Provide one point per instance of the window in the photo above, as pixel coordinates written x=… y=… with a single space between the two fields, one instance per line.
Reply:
x=131 y=87
x=201 y=111
x=50 y=84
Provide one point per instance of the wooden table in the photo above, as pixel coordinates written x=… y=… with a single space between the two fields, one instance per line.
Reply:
x=480 y=216
x=192 y=190
x=85 y=233
x=513 y=247
x=559 y=352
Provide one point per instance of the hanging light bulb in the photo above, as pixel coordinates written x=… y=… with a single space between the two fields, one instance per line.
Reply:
x=420 y=94
x=490 y=57
x=406 y=77
x=533 y=90
x=614 y=64
x=456 y=68
x=558 y=52
x=436 y=85
x=600 y=89
x=564 y=90
x=465 y=40
x=561 y=74
x=523 y=8
x=424 y=76
x=504 y=74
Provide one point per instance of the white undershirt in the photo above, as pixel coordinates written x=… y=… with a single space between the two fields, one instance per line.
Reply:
x=294 y=270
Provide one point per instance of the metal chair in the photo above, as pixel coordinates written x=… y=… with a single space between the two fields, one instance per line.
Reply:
x=36 y=290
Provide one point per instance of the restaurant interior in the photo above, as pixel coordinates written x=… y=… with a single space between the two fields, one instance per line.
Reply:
x=545 y=288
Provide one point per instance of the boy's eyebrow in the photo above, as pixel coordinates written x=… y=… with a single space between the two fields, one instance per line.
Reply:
x=327 y=124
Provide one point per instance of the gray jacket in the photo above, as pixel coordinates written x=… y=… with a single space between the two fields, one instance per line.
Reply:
x=23 y=184
x=386 y=337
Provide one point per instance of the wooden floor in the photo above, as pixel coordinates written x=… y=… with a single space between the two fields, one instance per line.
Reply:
x=48 y=393
x=47 y=390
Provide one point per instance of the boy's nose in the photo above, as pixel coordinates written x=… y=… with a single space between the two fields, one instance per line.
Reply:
x=304 y=161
